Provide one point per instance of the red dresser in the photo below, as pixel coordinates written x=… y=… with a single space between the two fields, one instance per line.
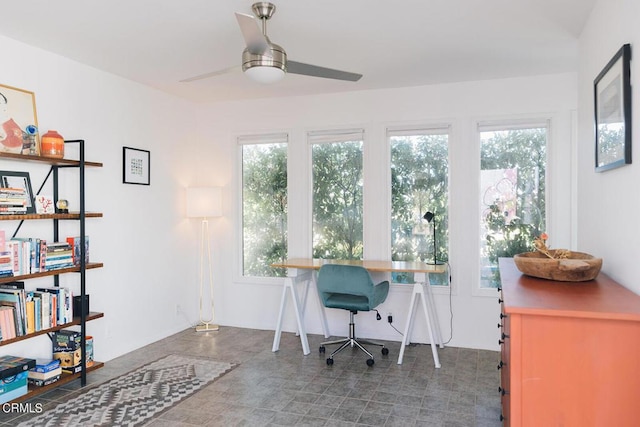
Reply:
x=570 y=351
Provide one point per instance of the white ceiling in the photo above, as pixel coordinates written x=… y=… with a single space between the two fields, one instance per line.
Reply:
x=392 y=43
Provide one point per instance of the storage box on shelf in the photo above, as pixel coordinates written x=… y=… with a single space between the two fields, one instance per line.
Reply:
x=57 y=165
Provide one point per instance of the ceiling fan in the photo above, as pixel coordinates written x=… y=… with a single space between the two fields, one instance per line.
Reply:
x=266 y=62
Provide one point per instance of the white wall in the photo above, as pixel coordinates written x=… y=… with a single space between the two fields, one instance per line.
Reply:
x=609 y=202
x=147 y=246
x=252 y=304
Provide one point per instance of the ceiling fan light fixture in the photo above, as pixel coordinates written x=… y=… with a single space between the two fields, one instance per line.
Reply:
x=265 y=73
x=268 y=68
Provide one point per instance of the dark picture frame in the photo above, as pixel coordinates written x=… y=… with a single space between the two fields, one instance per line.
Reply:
x=11 y=179
x=19 y=121
x=136 y=166
x=612 y=102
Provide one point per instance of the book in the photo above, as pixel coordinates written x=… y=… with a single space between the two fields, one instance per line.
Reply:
x=45 y=308
x=77 y=249
x=15 y=298
x=12 y=285
x=42 y=383
x=45 y=375
x=31 y=316
x=45 y=365
x=9 y=321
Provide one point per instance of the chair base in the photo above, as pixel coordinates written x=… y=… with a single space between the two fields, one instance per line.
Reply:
x=351 y=341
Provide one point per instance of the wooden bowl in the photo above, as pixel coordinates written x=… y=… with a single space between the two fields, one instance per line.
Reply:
x=579 y=267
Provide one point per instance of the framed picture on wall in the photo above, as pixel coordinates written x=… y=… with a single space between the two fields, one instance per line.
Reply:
x=136 y=166
x=612 y=100
x=18 y=121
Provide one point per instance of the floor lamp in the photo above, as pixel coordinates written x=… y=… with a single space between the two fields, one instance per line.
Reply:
x=204 y=203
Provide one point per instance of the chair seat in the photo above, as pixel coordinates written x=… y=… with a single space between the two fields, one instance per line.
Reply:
x=347 y=302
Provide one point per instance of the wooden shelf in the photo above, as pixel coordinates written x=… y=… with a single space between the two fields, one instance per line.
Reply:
x=76 y=321
x=64 y=379
x=70 y=215
x=74 y=269
x=47 y=160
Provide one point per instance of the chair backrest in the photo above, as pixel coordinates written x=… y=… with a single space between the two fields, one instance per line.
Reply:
x=350 y=287
x=344 y=279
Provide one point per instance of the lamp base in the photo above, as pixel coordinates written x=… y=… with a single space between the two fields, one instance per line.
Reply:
x=207 y=327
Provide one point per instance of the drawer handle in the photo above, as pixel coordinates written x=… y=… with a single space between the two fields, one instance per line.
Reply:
x=499 y=288
x=501 y=365
x=504 y=336
x=500 y=342
x=499 y=325
x=502 y=391
x=500 y=300
x=502 y=315
x=502 y=418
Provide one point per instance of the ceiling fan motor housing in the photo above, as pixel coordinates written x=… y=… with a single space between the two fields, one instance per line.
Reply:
x=278 y=58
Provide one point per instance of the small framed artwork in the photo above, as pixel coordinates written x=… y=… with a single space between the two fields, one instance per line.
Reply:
x=21 y=181
x=612 y=101
x=44 y=204
x=135 y=166
x=18 y=121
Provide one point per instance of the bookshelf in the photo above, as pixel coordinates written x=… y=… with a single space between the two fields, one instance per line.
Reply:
x=56 y=167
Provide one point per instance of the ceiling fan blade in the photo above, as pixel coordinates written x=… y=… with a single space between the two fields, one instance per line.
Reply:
x=211 y=74
x=256 y=41
x=315 y=71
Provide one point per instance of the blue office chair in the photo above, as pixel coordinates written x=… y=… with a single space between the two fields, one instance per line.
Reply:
x=350 y=287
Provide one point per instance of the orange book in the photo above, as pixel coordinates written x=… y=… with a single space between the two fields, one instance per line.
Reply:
x=31 y=316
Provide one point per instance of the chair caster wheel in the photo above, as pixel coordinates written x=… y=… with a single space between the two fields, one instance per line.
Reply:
x=370 y=362
x=321 y=349
x=329 y=361
x=385 y=351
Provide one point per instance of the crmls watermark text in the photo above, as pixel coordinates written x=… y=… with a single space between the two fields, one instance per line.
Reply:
x=23 y=408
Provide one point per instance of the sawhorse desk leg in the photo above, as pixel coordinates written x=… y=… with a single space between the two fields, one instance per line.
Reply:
x=290 y=286
x=419 y=293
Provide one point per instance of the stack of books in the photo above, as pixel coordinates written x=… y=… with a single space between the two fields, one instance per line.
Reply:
x=59 y=255
x=13 y=201
x=24 y=312
x=45 y=372
x=6 y=264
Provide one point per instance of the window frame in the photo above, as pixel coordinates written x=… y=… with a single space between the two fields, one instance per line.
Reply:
x=333 y=136
x=239 y=140
x=436 y=128
x=498 y=124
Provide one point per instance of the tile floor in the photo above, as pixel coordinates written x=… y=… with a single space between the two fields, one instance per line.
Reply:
x=287 y=388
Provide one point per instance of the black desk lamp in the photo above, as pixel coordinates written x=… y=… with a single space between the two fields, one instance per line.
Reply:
x=430 y=216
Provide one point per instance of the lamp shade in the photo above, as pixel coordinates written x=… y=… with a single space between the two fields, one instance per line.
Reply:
x=204 y=202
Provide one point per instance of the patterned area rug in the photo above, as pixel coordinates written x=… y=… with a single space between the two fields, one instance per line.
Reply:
x=134 y=398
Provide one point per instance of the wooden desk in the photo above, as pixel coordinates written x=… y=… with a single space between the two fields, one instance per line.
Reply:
x=304 y=270
x=570 y=351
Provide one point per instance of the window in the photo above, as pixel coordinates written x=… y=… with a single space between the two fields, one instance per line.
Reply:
x=512 y=192
x=337 y=194
x=419 y=184
x=264 y=204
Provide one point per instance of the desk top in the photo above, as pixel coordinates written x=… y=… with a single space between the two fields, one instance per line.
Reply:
x=377 y=266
